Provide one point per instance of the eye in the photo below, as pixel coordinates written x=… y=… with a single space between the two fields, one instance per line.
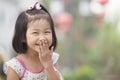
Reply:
x=47 y=32
x=35 y=33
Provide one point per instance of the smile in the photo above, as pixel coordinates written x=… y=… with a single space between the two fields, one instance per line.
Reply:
x=37 y=44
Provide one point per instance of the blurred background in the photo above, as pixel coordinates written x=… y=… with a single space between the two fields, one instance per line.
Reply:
x=88 y=33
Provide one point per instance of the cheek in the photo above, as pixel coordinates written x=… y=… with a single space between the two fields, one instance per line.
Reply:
x=49 y=38
x=50 y=41
x=30 y=39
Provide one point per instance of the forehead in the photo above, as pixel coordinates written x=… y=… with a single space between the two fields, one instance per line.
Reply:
x=39 y=24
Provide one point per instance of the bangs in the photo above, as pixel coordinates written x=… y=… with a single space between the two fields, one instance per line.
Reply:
x=33 y=17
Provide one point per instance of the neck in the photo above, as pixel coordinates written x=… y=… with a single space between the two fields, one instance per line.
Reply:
x=33 y=56
x=31 y=60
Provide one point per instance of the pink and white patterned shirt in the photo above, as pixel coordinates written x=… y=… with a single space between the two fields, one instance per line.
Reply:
x=25 y=74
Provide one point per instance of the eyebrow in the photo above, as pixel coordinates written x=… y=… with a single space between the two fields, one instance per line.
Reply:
x=48 y=28
x=44 y=29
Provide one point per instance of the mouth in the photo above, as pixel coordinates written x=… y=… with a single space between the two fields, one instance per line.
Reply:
x=37 y=44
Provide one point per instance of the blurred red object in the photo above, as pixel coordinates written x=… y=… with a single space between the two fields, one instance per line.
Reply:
x=65 y=2
x=63 y=21
x=102 y=2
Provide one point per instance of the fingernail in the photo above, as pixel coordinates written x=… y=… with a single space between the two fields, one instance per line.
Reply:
x=41 y=42
x=45 y=41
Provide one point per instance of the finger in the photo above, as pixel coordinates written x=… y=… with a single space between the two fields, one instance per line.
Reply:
x=41 y=48
x=40 y=52
x=46 y=44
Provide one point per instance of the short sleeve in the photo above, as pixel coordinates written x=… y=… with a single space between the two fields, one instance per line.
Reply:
x=55 y=57
x=15 y=65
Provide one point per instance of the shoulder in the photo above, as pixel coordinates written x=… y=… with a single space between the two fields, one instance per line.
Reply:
x=13 y=64
x=12 y=75
x=55 y=57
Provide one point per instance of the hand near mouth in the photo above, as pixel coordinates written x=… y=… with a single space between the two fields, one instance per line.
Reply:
x=45 y=54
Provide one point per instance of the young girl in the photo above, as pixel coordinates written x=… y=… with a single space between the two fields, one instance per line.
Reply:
x=34 y=40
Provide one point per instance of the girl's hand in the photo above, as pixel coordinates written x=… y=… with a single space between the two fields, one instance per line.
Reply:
x=45 y=55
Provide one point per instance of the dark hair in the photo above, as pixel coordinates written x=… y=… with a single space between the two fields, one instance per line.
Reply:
x=21 y=27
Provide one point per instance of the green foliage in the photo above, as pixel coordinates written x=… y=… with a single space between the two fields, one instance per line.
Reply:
x=83 y=73
x=46 y=3
x=105 y=55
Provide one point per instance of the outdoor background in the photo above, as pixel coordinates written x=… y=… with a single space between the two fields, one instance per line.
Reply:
x=88 y=33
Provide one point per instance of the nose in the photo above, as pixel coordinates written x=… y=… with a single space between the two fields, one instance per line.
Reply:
x=42 y=37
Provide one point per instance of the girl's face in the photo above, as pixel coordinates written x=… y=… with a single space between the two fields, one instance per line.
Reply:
x=38 y=30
